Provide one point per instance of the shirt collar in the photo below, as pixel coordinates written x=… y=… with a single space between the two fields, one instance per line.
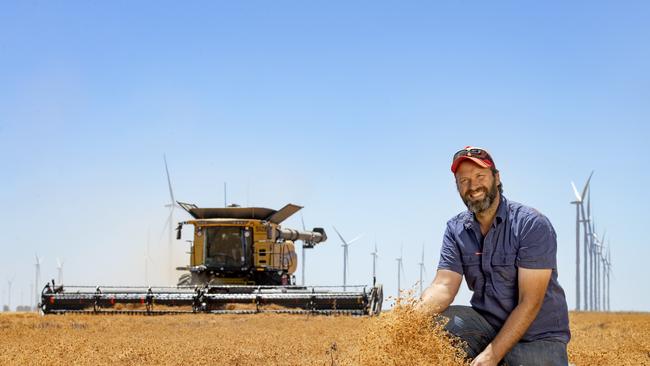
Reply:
x=502 y=211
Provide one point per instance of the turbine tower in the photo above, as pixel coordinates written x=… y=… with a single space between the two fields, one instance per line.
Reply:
x=345 y=246
x=38 y=277
x=578 y=203
x=601 y=273
x=581 y=217
x=9 y=283
x=374 y=255
x=59 y=269
x=400 y=269
x=170 y=223
x=147 y=260
x=423 y=270
x=225 y=195
x=597 y=248
x=608 y=271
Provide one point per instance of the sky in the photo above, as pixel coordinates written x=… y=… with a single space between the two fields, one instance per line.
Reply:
x=350 y=109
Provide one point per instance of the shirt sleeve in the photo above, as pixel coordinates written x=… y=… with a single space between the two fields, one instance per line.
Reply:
x=538 y=246
x=450 y=253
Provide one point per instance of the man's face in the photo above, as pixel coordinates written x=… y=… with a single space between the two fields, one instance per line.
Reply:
x=477 y=186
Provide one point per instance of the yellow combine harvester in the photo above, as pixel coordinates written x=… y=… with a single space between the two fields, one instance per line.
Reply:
x=241 y=261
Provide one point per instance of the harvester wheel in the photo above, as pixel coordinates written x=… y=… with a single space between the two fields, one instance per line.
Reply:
x=376 y=299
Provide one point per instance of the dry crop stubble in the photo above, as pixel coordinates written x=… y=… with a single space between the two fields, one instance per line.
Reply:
x=398 y=337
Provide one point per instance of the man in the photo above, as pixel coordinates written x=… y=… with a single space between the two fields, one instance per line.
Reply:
x=507 y=253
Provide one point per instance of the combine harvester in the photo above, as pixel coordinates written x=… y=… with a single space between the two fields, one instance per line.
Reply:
x=241 y=261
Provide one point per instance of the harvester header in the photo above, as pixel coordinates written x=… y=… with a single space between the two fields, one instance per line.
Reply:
x=240 y=256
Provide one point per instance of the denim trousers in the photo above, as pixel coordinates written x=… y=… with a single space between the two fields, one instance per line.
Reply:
x=470 y=326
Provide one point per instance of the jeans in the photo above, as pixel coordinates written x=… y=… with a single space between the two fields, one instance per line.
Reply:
x=470 y=326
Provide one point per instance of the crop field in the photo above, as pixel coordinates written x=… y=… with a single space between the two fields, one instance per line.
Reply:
x=399 y=337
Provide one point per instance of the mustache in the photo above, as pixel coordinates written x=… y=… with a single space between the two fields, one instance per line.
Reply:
x=480 y=189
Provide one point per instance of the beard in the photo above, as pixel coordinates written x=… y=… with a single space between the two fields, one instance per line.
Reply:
x=479 y=206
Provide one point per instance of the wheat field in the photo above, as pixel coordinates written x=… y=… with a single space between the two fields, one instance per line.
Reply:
x=399 y=337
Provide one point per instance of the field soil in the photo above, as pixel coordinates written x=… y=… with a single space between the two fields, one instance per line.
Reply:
x=265 y=339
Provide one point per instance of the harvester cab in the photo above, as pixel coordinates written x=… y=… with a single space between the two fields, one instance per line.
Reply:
x=243 y=246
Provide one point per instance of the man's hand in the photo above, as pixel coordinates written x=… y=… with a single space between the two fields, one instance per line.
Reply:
x=442 y=291
x=532 y=288
x=485 y=358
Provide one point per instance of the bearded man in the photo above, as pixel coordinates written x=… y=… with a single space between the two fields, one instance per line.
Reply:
x=507 y=253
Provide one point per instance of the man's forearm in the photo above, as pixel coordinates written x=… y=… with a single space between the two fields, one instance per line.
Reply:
x=436 y=298
x=513 y=329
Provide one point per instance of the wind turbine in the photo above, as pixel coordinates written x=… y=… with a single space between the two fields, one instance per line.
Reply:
x=9 y=283
x=581 y=217
x=580 y=209
x=592 y=292
x=578 y=203
x=38 y=263
x=608 y=270
x=423 y=270
x=602 y=270
x=147 y=260
x=598 y=248
x=400 y=269
x=59 y=269
x=345 y=246
x=169 y=223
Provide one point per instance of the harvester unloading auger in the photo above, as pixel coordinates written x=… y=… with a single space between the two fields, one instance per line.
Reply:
x=241 y=261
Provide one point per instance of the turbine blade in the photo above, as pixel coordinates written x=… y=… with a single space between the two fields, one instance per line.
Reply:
x=575 y=192
x=302 y=220
x=422 y=253
x=340 y=236
x=584 y=190
x=589 y=204
x=169 y=182
x=355 y=239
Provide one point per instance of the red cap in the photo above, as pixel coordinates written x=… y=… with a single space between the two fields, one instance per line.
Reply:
x=478 y=155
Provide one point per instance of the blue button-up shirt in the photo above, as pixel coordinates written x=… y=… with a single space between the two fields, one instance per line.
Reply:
x=520 y=236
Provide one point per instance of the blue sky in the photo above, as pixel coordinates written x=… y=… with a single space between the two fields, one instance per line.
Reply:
x=350 y=109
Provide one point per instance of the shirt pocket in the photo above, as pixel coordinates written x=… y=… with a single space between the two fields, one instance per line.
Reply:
x=505 y=271
x=472 y=271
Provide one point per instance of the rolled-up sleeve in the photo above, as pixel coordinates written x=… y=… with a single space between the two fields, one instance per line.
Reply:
x=450 y=253
x=538 y=245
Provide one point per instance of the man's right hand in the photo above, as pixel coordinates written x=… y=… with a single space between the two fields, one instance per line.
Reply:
x=441 y=293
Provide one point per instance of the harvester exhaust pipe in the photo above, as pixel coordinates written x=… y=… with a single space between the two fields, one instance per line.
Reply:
x=178 y=230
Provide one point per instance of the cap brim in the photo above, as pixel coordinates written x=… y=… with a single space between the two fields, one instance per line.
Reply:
x=477 y=161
